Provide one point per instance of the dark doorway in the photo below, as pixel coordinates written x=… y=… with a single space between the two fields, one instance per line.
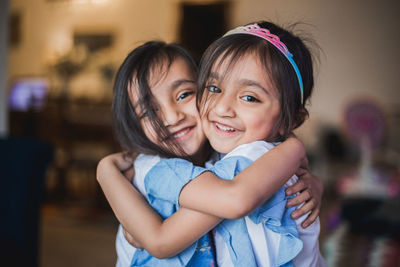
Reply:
x=202 y=24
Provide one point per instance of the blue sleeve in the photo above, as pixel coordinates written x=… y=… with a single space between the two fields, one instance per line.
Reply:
x=273 y=214
x=166 y=179
x=228 y=168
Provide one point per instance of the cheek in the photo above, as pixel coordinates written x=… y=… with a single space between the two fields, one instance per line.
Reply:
x=207 y=105
x=205 y=128
x=149 y=131
x=255 y=118
x=190 y=108
x=271 y=118
x=262 y=121
x=205 y=123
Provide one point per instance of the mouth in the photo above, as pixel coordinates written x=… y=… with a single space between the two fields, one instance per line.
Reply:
x=182 y=133
x=224 y=128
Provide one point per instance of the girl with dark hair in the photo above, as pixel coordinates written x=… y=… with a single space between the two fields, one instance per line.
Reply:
x=132 y=85
x=165 y=100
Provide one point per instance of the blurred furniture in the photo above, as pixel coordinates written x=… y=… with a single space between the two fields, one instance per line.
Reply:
x=23 y=163
x=368 y=234
x=80 y=131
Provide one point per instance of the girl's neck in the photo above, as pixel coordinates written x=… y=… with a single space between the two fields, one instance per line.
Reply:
x=201 y=156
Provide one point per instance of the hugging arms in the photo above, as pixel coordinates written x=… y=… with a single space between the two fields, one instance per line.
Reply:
x=206 y=200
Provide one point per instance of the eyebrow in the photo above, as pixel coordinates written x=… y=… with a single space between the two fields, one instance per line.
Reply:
x=180 y=82
x=246 y=82
x=214 y=75
x=253 y=83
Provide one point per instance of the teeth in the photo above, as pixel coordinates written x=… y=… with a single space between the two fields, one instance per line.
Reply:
x=180 y=134
x=223 y=128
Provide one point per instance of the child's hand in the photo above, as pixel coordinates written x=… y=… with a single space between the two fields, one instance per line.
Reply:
x=129 y=173
x=122 y=162
x=131 y=240
x=310 y=189
x=127 y=165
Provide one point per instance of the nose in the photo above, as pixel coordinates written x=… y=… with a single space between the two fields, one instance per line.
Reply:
x=224 y=106
x=172 y=115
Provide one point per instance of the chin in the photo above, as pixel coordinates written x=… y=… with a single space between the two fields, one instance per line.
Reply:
x=190 y=150
x=221 y=149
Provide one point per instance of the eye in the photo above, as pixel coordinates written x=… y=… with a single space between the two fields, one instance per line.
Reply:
x=184 y=95
x=213 y=89
x=249 y=98
x=146 y=113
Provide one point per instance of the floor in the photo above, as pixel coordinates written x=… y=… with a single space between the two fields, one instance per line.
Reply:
x=78 y=236
x=82 y=234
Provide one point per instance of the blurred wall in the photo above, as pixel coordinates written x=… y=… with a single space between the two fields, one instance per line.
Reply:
x=4 y=5
x=48 y=27
x=359 y=39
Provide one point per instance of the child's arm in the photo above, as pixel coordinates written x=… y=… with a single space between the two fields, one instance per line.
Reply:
x=235 y=198
x=160 y=238
x=164 y=239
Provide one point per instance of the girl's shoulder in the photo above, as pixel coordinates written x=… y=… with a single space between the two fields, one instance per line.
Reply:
x=252 y=150
x=145 y=162
x=142 y=165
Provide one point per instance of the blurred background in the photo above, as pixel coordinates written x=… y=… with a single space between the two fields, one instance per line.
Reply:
x=57 y=64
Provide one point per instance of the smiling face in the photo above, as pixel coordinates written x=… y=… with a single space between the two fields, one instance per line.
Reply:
x=242 y=105
x=174 y=90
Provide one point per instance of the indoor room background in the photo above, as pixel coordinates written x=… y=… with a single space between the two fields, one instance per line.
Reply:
x=58 y=59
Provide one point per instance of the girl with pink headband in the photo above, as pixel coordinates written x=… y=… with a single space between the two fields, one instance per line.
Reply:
x=250 y=98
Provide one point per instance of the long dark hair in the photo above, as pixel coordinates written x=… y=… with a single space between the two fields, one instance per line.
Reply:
x=136 y=69
x=293 y=111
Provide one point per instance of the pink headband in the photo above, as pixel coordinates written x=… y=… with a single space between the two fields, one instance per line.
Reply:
x=256 y=30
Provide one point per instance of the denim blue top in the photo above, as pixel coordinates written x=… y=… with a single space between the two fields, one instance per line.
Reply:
x=201 y=253
x=165 y=181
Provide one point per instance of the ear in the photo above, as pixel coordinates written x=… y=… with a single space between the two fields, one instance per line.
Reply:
x=132 y=92
x=301 y=116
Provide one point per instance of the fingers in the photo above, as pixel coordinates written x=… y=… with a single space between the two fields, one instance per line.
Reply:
x=310 y=219
x=123 y=161
x=128 y=156
x=301 y=172
x=309 y=189
x=296 y=188
x=306 y=208
x=300 y=198
x=129 y=174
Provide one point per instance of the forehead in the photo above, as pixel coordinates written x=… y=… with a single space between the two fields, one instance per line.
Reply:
x=234 y=60
x=166 y=73
x=244 y=70
x=226 y=65
x=162 y=79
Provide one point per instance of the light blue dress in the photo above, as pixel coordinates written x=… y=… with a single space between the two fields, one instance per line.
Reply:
x=166 y=179
x=201 y=253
